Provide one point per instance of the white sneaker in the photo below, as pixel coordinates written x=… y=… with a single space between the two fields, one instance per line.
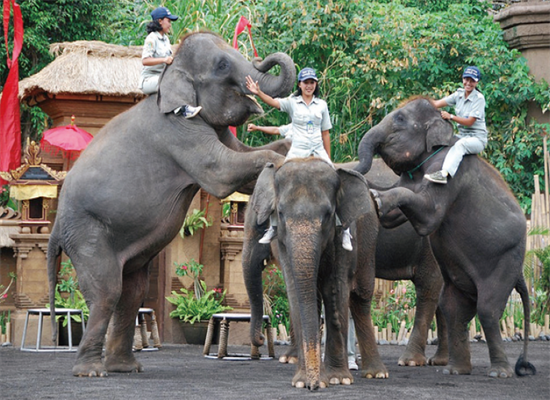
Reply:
x=346 y=240
x=268 y=236
x=190 y=112
x=352 y=365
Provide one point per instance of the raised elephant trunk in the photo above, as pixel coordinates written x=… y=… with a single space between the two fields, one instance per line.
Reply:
x=367 y=148
x=275 y=85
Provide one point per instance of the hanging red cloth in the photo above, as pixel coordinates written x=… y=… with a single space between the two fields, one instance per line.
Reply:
x=241 y=26
x=10 y=124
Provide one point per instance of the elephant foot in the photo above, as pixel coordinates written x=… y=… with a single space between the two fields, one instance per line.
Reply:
x=286 y=359
x=500 y=371
x=341 y=376
x=439 y=359
x=300 y=381
x=375 y=370
x=90 y=370
x=457 y=369
x=410 y=359
x=291 y=356
x=123 y=364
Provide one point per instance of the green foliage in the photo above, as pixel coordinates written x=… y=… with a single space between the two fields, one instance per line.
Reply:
x=5 y=317
x=193 y=222
x=396 y=307
x=194 y=270
x=371 y=56
x=191 y=309
x=540 y=298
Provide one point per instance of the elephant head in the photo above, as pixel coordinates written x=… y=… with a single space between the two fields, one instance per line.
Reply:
x=208 y=72
x=306 y=196
x=405 y=137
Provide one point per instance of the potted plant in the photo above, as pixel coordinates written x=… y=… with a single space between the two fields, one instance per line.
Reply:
x=195 y=308
x=193 y=222
x=67 y=295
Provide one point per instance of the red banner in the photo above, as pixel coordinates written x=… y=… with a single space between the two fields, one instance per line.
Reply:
x=241 y=26
x=10 y=124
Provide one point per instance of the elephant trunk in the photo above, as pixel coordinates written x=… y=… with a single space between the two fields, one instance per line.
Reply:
x=303 y=264
x=275 y=85
x=367 y=148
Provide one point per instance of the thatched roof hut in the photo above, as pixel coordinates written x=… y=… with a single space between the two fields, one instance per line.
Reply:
x=86 y=67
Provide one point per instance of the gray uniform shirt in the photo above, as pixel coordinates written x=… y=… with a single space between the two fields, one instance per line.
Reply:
x=308 y=123
x=473 y=106
x=157 y=46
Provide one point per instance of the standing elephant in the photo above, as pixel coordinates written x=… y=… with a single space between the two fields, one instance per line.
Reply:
x=401 y=254
x=126 y=197
x=476 y=228
x=305 y=195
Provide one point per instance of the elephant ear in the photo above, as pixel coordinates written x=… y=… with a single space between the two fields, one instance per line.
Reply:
x=354 y=199
x=263 y=198
x=438 y=133
x=175 y=89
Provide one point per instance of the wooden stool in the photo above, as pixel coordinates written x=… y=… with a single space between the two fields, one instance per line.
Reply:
x=224 y=320
x=41 y=312
x=141 y=341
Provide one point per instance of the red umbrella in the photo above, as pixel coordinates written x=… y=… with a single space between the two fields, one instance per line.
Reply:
x=70 y=139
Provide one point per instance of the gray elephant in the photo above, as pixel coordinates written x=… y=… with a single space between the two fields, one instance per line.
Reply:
x=305 y=195
x=476 y=227
x=401 y=254
x=126 y=197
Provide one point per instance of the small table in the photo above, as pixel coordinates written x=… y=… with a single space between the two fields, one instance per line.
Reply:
x=41 y=312
x=224 y=320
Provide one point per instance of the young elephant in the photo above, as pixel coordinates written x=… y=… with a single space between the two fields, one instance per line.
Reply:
x=305 y=195
x=476 y=227
x=401 y=254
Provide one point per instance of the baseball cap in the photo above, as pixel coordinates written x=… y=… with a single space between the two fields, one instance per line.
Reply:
x=472 y=72
x=307 y=73
x=162 y=12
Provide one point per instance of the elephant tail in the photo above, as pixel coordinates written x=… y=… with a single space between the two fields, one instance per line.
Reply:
x=523 y=366
x=54 y=251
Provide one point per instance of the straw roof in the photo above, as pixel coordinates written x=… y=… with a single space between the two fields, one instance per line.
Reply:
x=87 y=67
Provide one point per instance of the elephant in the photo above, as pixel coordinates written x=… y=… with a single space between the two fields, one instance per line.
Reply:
x=475 y=225
x=305 y=195
x=401 y=254
x=127 y=195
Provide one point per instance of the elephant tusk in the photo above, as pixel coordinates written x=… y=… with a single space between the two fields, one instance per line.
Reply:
x=253 y=98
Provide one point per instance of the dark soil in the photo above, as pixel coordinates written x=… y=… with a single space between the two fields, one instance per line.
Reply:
x=181 y=372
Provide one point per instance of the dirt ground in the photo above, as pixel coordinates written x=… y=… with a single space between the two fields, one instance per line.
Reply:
x=181 y=372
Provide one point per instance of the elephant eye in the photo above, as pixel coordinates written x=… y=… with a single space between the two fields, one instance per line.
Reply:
x=223 y=65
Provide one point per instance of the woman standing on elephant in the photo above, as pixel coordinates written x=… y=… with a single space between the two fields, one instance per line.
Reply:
x=310 y=128
x=157 y=53
x=469 y=106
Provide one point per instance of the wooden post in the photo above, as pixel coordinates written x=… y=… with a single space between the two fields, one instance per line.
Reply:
x=546 y=324
x=402 y=330
x=472 y=328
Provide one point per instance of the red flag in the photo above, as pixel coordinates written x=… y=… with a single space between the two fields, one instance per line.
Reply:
x=241 y=25
x=10 y=124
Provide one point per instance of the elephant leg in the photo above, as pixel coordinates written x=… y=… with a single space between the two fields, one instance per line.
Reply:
x=441 y=356
x=253 y=258
x=291 y=355
x=490 y=305
x=458 y=310
x=101 y=304
x=335 y=291
x=118 y=350
x=428 y=288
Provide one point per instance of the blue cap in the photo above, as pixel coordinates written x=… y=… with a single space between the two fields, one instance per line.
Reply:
x=162 y=12
x=307 y=73
x=472 y=72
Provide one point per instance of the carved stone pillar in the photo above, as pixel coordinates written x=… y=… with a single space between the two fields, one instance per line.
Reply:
x=526 y=27
x=231 y=241
x=30 y=250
